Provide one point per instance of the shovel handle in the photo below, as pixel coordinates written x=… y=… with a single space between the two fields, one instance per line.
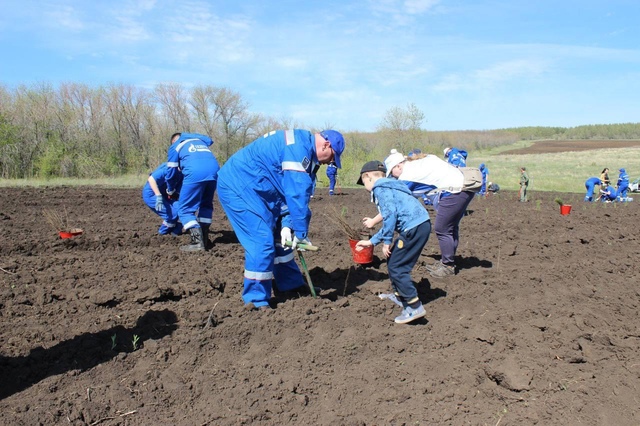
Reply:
x=303 y=246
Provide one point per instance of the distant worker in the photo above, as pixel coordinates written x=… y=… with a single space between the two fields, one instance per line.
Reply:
x=623 y=185
x=591 y=184
x=608 y=194
x=604 y=177
x=332 y=173
x=154 y=195
x=524 y=184
x=189 y=156
x=413 y=153
x=455 y=156
x=493 y=187
x=485 y=174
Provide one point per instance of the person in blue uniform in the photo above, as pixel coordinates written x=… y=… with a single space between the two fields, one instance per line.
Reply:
x=332 y=172
x=275 y=170
x=591 y=184
x=455 y=156
x=623 y=185
x=608 y=194
x=154 y=195
x=189 y=155
x=485 y=175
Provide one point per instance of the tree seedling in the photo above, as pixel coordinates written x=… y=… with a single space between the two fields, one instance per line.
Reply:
x=135 y=341
x=559 y=201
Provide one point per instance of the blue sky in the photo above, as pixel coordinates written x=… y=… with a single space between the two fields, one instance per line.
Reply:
x=482 y=64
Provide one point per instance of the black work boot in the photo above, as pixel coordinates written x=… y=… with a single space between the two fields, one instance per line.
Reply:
x=197 y=243
x=208 y=245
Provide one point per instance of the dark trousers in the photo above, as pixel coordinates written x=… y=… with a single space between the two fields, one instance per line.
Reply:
x=451 y=209
x=404 y=255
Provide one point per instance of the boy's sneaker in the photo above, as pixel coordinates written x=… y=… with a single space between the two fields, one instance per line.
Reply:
x=433 y=266
x=443 y=271
x=410 y=314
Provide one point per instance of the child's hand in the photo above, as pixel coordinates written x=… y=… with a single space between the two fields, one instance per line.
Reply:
x=386 y=250
x=362 y=244
x=368 y=222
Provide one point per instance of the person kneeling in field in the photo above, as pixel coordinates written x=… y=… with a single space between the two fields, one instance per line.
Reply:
x=154 y=195
x=401 y=212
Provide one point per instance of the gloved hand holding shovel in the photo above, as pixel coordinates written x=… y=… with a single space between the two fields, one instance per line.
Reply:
x=300 y=246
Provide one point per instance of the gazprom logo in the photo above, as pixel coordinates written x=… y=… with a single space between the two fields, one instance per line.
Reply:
x=192 y=148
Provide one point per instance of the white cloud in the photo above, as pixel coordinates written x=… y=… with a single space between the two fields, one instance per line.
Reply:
x=291 y=63
x=66 y=17
x=416 y=7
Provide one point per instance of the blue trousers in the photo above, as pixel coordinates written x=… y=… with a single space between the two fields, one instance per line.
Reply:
x=170 y=221
x=589 y=195
x=404 y=255
x=196 y=197
x=254 y=226
x=622 y=191
x=451 y=209
x=332 y=183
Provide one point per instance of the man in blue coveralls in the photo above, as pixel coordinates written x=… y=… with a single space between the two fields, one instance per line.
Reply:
x=623 y=185
x=590 y=185
x=154 y=195
x=455 y=156
x=254 y=185
x=189 y=153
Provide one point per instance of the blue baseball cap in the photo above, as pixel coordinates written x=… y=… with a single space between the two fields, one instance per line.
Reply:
x=337 y=144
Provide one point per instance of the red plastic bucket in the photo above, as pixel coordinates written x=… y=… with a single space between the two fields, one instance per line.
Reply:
x=565 y=209
x=363 y=256
x=69 y=234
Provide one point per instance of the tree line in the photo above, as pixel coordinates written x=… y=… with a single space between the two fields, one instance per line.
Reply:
x=75 y=130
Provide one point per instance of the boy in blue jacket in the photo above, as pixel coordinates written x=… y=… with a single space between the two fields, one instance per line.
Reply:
x=403 y=213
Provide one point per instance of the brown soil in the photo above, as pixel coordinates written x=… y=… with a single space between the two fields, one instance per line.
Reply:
x=553 y=146
x=540 y=326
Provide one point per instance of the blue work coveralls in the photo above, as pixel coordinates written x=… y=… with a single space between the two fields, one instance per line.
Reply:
x=485 y=175
x=457 y=157
x=623 y=185
x=332 y=172
x=170 y=222
x=190 y=154
x=590 y=184
x=254 y=185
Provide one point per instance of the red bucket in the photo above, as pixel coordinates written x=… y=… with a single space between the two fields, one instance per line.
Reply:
x=565 y=209
x=70 y=234
x=363 y=256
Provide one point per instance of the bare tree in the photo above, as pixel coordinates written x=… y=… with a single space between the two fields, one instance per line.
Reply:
x=173 y=100
x=206 y=110
x=403 y=126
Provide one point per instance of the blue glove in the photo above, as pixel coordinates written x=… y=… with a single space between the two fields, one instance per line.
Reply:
x=159 y=203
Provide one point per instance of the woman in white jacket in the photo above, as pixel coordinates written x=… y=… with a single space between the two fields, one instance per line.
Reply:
x=442 y=183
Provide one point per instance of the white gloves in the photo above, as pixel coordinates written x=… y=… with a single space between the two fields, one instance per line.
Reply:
x=285 y=235
x=297 y=241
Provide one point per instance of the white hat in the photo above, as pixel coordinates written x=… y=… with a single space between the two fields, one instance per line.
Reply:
x=446 y=151
x=393 y=160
